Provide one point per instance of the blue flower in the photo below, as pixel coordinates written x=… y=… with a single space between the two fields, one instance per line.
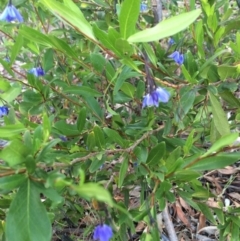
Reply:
x=10 y=13
x=143 y=7
x=102 y=233
x=37 y=71
x=63 y=138
x=171 y=42
x=156 y=96
x=3 y=111
x=7 y=59
x=177 y=57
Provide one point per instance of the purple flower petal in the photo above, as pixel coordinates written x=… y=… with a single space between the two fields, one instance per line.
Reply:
x=102 y=233
x=171 y=42
x=156 y=96
x=10 y=13
x=143 y=7
x=177 y=57
x=163 y=95
x=3 y=111
x=37 y=71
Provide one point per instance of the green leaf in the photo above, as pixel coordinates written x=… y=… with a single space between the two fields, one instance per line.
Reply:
x=16 y=47
x=126 y=73
x=96 y=165
x=128 y=17
x=95 y=107
x=156 y=154
x=128 y=89
x=10 y=182
x=150 y=53
x=207 y=212
x=114 y=137
x=140 y=89
x=222 y=142
x=106 y=40
x=81 y=119
x=187 y=100
x=227 y=71
x=47 y=126
x=27 y=218
x=11 y=130
x=14 y=153
x=70 y=14
x=123 y=171
x=48 y=60
x=185 y=175
x=12 y=93
x=187 y=76
x=43 y=155
x=175 y=166
x=82 y=90
x=35 y=36
x=210 y=60
x=94 y=190
x=200 y=38
x=4 y=85
x=166 y=28
x=189 y=143
x=229 y=97
x=124 y=46
x=6 y=66
x=62 y=46
x=99 y=137
x=141 y=154
x=173 y=157
x=47 y=41
x=66 y=129
x=235 y=231
x=98 y=62
x=215 y=162
x=219 y=116
x=220 y=214
x=91 y=141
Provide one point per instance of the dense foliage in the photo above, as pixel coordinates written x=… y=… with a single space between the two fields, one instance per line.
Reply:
x=101 y=99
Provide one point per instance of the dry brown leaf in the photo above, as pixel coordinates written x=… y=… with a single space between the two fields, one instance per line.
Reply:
x=209 y=229
x=186 y=206
x=182 y=215
x=140 y=226
x=201 y=221
x=215 y=181
x=236 y=204
x=227 y=170
x=234 y=195
x=212 y=203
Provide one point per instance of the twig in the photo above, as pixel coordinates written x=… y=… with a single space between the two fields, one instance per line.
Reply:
x=169 y=225
x=126 y=150
x=107 y=152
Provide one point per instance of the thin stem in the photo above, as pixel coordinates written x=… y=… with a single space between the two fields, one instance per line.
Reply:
x=106 y=152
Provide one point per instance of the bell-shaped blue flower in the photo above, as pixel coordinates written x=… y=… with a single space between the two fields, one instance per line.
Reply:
x=102 y=233
x=163 y=95
x=143 y=7
x=38 y=71
x=63 y=138
x=7 y=59
x=3 y=111
x=177 y=57
x=10 y=13
x=171 y=42
x=155 y=97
